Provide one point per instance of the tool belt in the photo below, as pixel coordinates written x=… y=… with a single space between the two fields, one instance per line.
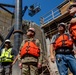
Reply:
x=64 y=50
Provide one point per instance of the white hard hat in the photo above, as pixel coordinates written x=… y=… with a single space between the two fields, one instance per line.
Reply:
x=7 y=41
x=62 y=24
x=32 y=29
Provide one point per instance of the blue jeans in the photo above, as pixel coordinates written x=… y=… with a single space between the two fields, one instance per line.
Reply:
x=64 y=62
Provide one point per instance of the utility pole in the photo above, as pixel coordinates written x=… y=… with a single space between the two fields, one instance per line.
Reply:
x=17 y=33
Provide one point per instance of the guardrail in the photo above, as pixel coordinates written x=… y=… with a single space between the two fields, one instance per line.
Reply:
x=52 y=14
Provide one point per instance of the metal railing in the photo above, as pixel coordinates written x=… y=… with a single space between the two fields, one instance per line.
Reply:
x=51 y=15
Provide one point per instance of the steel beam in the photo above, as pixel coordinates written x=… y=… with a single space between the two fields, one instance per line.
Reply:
x=7 y=10
x=7 y=5
x=18 y=25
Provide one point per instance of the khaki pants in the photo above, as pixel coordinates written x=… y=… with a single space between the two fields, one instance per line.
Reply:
x=29 y=69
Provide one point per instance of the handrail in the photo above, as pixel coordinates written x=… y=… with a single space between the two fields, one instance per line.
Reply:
x=51 y=15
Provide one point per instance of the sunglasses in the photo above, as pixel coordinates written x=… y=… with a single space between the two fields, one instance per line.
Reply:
x=31 y=31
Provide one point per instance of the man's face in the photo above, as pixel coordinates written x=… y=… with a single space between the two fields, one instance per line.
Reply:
x=61 y=28
x=30 y=33
x=7 y=44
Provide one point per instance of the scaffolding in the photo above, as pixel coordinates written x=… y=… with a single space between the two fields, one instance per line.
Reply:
x=49 y=23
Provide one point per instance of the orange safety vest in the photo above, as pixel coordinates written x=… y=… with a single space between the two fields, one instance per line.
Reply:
x=30 y=48
x=72 y=31
x=63 y=41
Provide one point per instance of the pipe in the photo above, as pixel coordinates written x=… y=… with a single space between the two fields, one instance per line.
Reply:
x=17 y=33
x=18 y=25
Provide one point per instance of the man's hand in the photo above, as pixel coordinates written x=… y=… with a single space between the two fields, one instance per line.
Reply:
x=39 y=65
x=20 y=65
x=52 y=58
x=13 y=63
x=74 y=52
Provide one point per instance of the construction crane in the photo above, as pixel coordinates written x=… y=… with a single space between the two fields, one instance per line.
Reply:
x=34 y=9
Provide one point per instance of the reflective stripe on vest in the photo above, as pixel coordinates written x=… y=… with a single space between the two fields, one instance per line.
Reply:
x=63 y=41
x=30 y=48
x=6 y=55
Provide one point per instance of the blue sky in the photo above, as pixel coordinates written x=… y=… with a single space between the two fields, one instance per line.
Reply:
x=46 y=5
